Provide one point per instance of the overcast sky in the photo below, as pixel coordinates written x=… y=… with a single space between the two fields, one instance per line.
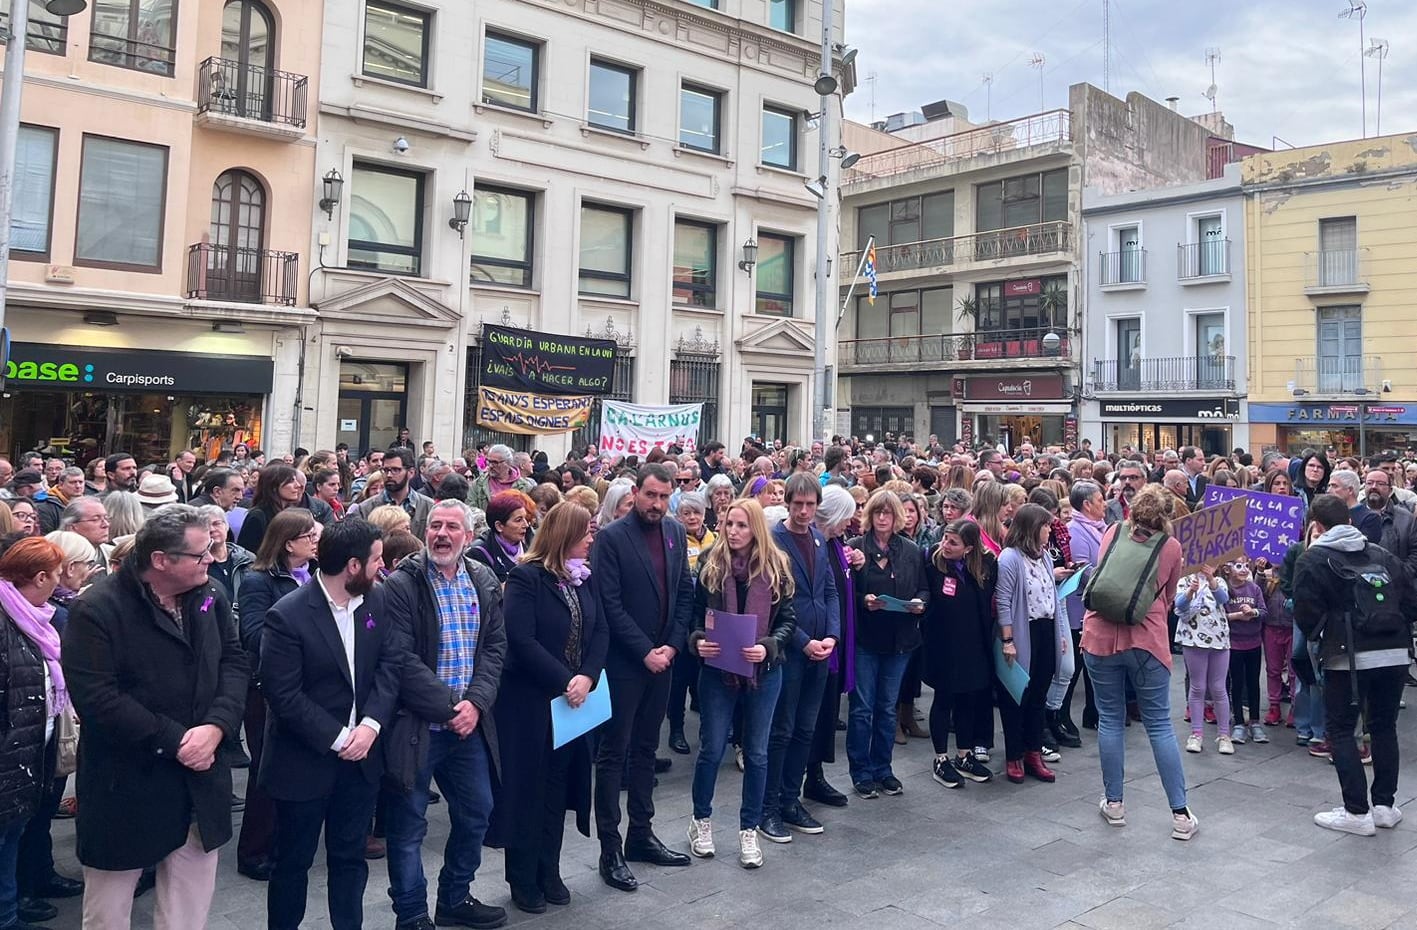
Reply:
x=1288 y=68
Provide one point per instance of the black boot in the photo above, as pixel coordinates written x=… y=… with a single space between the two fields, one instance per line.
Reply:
x=677 y=742
x=820 y=790
x=1065 y=720
x=1089 y=717
x=1060 y=736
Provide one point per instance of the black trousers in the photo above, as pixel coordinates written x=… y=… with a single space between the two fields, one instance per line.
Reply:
x=1245 y=683
x=1023 y=723
x=343 y=816
x=36 y=854
x=533 y=857
x=258 y=820
x=685 y=682
x=1380 y=692
x=910 y=682
x=627 y=746
x=959 y=712
x=824 y=736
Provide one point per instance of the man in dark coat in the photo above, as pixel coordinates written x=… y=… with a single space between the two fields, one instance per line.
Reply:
x=449 y=609
x=330 y=669
x=646 y=593
x=158 y=676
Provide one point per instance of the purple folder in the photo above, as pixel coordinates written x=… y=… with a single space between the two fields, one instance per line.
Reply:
x=734 y=633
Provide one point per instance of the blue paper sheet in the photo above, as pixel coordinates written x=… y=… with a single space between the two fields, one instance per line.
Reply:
x=896 y=604
x=569 y=722
x=1013 y=676
x=1070 y=584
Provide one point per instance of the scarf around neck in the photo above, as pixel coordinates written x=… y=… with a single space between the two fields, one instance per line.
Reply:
x=35 y=623
x=758 y=603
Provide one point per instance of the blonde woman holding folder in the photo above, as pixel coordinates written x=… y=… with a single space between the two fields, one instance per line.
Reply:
x=556 y=644
x=743 y=575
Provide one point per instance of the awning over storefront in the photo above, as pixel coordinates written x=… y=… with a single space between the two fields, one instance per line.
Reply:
x=135 y=371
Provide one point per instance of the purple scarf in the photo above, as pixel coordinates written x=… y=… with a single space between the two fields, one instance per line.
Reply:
x=759 y=605
x=843 y=660
x=35 y=623
x=513 y=551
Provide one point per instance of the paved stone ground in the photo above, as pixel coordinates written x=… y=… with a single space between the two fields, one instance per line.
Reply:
x=995 y=855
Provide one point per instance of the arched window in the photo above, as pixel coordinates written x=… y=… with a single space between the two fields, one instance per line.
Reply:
x=238 y=235
x=248 y=54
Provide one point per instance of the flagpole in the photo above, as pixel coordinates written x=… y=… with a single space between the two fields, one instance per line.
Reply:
x=846 y=302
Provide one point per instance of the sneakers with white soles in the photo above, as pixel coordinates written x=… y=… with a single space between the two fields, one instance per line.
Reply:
x=1343 y=821
x=1114 y=812
x=749 y=855
x=1386 y=817
x=701 y=838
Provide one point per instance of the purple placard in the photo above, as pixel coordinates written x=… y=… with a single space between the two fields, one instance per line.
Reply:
x=1273 y=522
x=733 y=633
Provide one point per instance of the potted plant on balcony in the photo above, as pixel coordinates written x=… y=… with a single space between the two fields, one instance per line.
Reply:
x=969 y=307
x=1053 y=302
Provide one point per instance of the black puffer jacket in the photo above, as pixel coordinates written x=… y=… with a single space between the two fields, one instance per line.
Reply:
x=22 y=731
x=489 y=552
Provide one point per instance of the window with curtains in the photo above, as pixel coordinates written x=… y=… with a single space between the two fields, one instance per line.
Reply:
x=607 y=246
x=695 y=263
x=33 y=205
x=137 y=34
x=774 y=273
x=122 y=196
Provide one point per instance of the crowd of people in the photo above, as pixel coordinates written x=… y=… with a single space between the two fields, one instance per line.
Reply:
x=356 y=629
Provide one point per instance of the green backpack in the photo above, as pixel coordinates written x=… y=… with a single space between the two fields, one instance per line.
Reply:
x=1123 y=586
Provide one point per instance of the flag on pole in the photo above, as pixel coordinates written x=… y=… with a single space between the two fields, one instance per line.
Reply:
x=871 y=274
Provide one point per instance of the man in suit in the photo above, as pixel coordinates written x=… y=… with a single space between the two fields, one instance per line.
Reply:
x=330 y=672
x=646 y=593
x=814 y=601
x=1193 y=464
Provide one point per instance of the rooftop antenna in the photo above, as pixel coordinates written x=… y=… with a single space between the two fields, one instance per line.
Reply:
x=871 y=80
x=1358 y=9
x=1378 y=48
x=1037 y=60
x=1106 y=45
x=988 y=95
x=1212 y=58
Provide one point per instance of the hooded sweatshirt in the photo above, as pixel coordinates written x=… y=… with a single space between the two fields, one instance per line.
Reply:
x=1319 y=593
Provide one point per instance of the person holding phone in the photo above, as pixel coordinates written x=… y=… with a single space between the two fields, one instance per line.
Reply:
x=893 y=567
x=743 y=573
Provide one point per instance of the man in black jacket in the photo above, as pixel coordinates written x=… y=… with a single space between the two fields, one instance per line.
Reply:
x=1362 y=667
x=330 y=668
x=1399 y=526
x=646 y=593
x=158 y=676
x=448 y=609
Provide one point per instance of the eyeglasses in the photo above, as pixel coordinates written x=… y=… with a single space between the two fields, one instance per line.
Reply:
x=686 y=480
x=312 y=535
x=25 y=516
x=204 y=556
x=96 y=518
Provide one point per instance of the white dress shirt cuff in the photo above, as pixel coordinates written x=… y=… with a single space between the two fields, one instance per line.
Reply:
x=371 y=723
x=340 y=740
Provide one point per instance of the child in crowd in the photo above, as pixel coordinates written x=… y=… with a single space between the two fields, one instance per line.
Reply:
x=1246 y=612
x=1278 y=638
x=1203 y=633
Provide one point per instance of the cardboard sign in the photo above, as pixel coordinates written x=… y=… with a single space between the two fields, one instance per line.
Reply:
x=530 y=414
x=1211 y=536
x=1273 y=522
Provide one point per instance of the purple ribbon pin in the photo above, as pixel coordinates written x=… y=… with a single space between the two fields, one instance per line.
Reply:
x=369 y=622
x=206 y=605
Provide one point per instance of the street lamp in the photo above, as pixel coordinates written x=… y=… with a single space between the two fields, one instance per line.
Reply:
x=10 y=128
x=462 y=211
x=333 y=185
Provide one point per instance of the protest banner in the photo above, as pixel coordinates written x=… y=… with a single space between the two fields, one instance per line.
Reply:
x=1211 y=536
x=634 y=429
x=531 y=414
x=1274 y=522
x=544 y=363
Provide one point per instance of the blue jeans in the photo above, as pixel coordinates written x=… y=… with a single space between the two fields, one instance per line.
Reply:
x=793 y=724
x=870 y=727
x=716 y=702
x=463 y=770
x=1308 y=703
x=9 y=858
x=1152 y=681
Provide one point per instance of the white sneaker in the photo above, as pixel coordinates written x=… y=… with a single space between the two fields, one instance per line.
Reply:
x=701 y=838
x=1193 y=743
x=1225 y=746
x=738 y=758
x=982 y=754
x=1386 y=817
x=749 y=855
x=1344 y=822
x=1051 y=755
x=1114 y=812
x=1184 y=826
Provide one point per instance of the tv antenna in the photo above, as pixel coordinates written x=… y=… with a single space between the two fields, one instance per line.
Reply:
x=1378 y=48
x=1038 y=60
x=871 y=80
x=1212 y=58
x=988 y=79
x=1358 y=9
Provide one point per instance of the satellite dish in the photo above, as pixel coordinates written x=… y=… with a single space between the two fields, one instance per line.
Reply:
x=1210 y=93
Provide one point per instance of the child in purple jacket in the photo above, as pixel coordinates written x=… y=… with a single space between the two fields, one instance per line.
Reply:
x=1246 y=611
x=1278 y=638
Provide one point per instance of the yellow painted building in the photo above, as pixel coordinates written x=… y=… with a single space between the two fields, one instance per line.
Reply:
x=1332 y=254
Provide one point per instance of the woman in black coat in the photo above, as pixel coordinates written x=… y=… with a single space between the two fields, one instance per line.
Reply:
x=956 y=651
x=509 y=515
x=278 y=487
x=556 y=645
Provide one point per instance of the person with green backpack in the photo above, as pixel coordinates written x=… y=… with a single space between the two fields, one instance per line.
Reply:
x=1124 y=640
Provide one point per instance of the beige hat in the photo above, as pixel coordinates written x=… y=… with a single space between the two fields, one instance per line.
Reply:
x=157 y=490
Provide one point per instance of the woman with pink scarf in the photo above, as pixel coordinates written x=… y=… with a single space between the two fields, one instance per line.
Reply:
x=33 y=694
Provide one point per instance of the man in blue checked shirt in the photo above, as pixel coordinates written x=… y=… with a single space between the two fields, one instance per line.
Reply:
x=449 y=610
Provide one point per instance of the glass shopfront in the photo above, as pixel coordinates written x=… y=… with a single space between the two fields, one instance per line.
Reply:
x=1151 y=425
x=87 y=403
x=1356 y=428
x=1012 y=431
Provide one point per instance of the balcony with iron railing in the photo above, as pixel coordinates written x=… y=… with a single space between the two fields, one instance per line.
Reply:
x=1203 y=262
x=1124 y=270
x=1036 y=240
x=1328 y=375
x=1336 y=271
x=992 y=347
x=251 y=99
x=1159 y=375
x=1050 y=129
x=236 y=275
